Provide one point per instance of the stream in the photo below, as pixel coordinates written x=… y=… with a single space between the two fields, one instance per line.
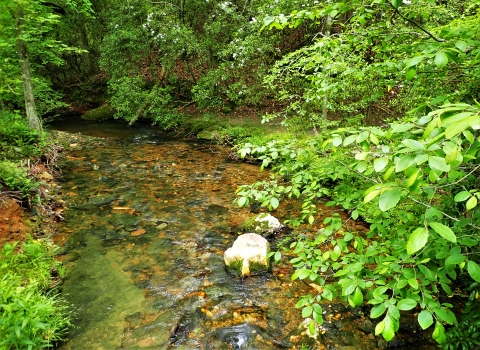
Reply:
x=147 y=221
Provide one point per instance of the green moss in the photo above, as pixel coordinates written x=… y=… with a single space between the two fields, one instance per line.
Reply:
x=251 y=224
x=235 y=267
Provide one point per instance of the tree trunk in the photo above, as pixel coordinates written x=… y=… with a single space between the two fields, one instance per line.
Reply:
x=32 y=117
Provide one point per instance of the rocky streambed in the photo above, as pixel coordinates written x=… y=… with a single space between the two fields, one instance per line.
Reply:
x=147 y=224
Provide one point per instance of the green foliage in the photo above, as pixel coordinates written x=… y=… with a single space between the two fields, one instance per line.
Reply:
x=466 y=334
x=32 y=316
x=415 y=183
x=15 y=178
x=382 y=57
x=17 y=139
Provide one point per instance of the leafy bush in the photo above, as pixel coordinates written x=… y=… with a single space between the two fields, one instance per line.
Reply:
x=17 y=139
x=415 y=183
x=32 y=315
x=15 y=178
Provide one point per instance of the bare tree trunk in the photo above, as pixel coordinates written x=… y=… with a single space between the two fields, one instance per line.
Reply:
x=32 y=117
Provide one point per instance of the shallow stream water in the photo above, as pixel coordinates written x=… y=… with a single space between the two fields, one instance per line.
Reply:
x=148 y=220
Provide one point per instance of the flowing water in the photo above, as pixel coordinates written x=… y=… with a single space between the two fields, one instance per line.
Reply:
x=148 y=220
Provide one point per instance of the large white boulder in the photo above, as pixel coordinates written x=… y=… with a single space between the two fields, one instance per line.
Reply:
x=248 y=255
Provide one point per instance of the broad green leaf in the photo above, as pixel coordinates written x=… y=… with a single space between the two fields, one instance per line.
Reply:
x=417 y=240
x=277 y=256
x=389 y=330
x=473 y=270
x=438 y=163
x=311 y=327
x=411 y=180
x=357 y=297
x=361 y=155
x=307 y=311
x=406 y=304
x=380 y=163
x=274 y=202
x=415 y=60
x=410 y=74
x=349 y=140
x=396 y=3
x=389 y=199
x=404 y=162
x=242 y=201
x=471 y=203
x=451 y=156
x=413 y=144
x=413 y=283
x=425 y=319
x=441 y=59
x=304 y=273
x=349 y=288
x=439 y=333
x=389 y=172
x=444 y=231
x=456 y=128
x=337 y=141
x=379 y=328
x=455 y=259
x=461 y=45
x=462 y=196
x=371 y=196
x=377 y=311
x=445 y=315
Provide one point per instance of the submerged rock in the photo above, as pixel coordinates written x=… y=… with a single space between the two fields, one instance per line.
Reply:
x=262 y=223
x=248 y=255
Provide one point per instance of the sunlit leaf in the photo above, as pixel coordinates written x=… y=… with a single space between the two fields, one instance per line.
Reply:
x=417 y=240
x=444 y=231
x=471 y=203
x=441 y=59
x=389 y=199
x=380 y=163
x=473 y=270
x=425 y=319
x=406 y=304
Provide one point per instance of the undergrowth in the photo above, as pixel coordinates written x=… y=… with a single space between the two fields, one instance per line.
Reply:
x=32 y=314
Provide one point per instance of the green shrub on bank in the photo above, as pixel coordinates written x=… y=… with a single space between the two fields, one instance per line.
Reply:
x=15 y=178
x=17 y=139
x=415 y=183
x=32 y=315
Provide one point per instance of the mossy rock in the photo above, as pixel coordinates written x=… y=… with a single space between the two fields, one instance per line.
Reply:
x=209 y=134
x=100 y=113
x=261 y=223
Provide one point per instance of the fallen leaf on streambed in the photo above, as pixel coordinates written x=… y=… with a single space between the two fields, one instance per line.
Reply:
x=137 y=232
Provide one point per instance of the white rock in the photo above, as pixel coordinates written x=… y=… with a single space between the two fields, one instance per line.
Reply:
x=248 y=254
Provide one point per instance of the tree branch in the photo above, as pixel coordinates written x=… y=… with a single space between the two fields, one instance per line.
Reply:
x=440 y=40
